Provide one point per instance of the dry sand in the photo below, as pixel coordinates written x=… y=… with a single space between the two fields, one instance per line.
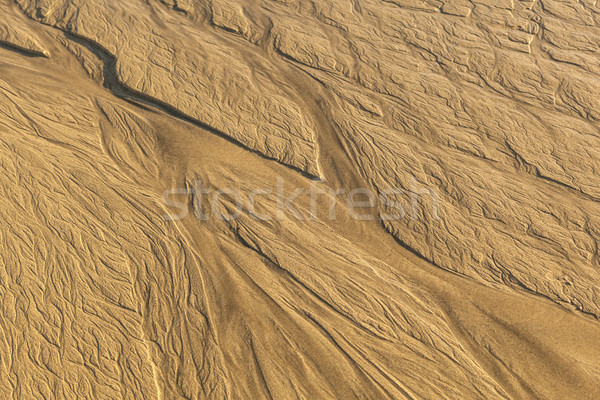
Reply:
x=473 y=272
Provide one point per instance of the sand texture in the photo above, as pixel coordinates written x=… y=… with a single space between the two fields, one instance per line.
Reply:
x=473 y=272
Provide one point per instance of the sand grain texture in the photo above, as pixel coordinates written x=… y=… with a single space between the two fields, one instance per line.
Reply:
x=491 y=108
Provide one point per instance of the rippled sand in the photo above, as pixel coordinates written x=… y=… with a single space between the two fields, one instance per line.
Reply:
x=281 y=199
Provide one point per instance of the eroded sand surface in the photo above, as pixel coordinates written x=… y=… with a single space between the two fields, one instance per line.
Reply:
x=489 y=109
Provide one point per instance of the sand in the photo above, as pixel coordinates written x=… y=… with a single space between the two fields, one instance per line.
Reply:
x=285 y=199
